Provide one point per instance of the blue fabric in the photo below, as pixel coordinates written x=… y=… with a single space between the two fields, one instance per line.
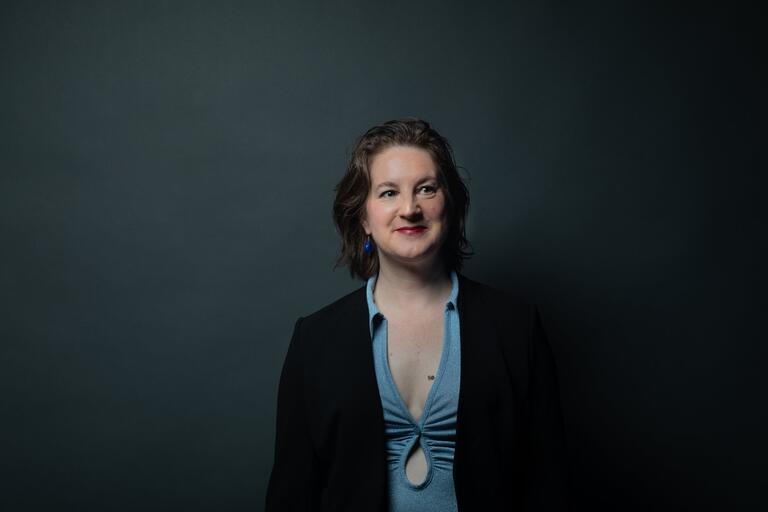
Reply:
x=436 y=429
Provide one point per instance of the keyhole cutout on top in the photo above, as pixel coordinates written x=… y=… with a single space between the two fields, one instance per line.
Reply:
x=416 y=467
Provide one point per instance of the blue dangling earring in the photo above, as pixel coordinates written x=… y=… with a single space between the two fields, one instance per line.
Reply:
x=368 y=245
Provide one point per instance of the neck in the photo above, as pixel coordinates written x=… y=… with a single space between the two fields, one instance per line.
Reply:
x=405 y=288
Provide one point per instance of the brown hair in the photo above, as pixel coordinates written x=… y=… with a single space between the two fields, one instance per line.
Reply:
x=352 y=193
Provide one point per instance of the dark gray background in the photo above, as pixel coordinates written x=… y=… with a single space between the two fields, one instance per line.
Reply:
x=167 y=174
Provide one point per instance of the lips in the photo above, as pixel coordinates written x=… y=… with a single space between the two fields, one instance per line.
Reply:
x=412 y=230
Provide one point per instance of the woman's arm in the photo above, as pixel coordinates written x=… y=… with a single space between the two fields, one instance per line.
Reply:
x=548 y=485
x=294 y=484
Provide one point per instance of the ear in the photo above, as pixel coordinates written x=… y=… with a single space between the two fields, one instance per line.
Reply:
x=364 y=223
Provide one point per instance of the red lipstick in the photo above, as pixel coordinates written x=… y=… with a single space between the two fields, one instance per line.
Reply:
x=415 y=230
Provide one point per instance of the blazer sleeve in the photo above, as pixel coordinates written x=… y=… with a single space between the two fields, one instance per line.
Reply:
x=294 y=483
x=549 y=484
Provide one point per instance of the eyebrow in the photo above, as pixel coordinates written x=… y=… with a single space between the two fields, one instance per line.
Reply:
x=391 y=184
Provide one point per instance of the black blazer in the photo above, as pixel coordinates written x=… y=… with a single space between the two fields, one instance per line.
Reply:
x=510 y=442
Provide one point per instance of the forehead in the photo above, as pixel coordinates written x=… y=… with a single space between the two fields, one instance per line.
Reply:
x=402 y=163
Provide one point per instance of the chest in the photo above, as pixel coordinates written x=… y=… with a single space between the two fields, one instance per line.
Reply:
x=414 y=351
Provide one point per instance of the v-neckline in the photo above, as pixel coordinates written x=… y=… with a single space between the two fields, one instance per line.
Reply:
x=435 y=383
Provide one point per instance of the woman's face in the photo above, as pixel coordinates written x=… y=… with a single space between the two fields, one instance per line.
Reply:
x=405 y=193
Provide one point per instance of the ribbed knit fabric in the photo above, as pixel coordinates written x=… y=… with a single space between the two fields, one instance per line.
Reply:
x=436 y=429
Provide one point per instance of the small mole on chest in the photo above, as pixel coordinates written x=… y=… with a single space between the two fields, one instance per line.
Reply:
x=431 y=377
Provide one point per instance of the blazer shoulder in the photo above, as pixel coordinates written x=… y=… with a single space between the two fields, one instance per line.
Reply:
x=338 y=310
x=496 y=299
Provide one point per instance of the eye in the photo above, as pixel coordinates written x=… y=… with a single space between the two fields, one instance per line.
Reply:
x=383 y=194
x=430 y=189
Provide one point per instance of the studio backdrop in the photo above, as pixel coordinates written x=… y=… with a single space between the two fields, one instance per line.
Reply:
x=166 y=181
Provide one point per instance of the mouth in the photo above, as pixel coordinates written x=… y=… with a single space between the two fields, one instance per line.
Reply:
x=415 y=230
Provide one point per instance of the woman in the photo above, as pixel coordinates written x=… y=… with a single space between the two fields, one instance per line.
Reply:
x=422 y=390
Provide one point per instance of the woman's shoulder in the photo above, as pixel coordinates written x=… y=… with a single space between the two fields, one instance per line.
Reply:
x=339 y=309
x=512 y=313
x=491 y=296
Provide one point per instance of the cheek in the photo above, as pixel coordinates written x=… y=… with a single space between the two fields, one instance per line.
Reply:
x=380 y=214
x=437 y=209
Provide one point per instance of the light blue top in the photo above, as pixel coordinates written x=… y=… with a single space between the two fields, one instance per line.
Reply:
x=436 y=429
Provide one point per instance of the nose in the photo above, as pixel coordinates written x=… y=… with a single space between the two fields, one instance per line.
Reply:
x=410 y=207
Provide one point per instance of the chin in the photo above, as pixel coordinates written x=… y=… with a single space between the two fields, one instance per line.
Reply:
x=416 y=257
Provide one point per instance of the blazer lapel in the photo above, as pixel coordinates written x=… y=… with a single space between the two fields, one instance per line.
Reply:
x=476 y=389
x=363 y=443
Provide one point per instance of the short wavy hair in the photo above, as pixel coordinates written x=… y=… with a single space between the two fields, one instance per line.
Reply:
x=353 y=189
